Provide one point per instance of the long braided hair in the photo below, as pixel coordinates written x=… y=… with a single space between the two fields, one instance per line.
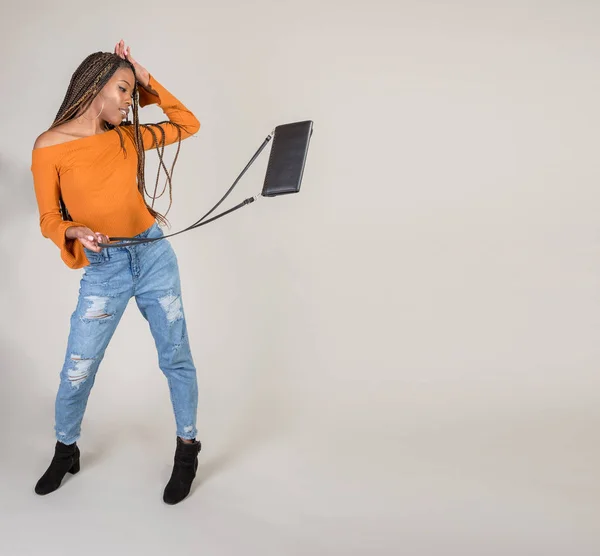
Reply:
x=86 y=82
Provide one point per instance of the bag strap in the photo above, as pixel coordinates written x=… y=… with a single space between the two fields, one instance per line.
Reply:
x=125 y=241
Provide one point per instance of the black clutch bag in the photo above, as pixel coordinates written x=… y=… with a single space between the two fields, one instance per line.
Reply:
x=287 y=158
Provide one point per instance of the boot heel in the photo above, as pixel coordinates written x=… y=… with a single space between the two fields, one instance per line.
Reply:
x=75 y=468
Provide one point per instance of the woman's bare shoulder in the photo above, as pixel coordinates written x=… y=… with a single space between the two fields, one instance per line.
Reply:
x=44 y=140
x=56 y=136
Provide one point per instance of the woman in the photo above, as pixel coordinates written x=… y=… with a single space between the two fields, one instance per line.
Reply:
x=88 y=173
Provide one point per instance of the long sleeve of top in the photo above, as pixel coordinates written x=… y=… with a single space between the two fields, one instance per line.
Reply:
x=98 y=178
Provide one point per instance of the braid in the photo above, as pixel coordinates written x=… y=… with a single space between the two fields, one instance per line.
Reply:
x=86 y=82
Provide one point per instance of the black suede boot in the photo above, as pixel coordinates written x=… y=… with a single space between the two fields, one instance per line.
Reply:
x=65 y=460
x=184 y=470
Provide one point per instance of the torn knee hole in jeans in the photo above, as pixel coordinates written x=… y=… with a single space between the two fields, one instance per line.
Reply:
x=81 y=370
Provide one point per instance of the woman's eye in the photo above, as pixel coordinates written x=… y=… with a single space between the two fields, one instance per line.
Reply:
x=122 y=89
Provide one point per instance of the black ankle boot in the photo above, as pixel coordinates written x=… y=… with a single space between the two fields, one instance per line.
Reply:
x=184 y=471
x=65 y=460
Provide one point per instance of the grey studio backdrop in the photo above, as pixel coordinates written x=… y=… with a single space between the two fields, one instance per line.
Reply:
x=400 y=359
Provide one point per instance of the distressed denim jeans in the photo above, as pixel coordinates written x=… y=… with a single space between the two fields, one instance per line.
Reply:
x=148 y=272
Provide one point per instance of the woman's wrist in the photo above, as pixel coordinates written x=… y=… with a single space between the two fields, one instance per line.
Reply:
x=71 y=231
x=146 y=87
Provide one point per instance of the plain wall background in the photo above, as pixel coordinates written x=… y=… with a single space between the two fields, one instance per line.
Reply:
x=402 y=358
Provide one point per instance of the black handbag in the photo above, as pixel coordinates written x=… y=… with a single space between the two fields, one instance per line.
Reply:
x=287 y=159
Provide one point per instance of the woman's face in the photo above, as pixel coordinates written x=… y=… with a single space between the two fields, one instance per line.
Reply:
x=116 y=96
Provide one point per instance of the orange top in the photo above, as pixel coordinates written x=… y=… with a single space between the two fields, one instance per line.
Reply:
x=98 y=180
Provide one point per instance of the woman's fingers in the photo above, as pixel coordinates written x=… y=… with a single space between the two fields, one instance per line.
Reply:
x=123 y=51
x=91 y=245
x=101 y=238
x=119 y=49
x=128 y=55
x=91 y=241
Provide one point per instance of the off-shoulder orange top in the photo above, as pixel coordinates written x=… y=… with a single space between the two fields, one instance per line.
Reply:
x=98 y=181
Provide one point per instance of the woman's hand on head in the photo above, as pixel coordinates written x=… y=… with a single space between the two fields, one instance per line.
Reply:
x=87 y=237
x=141 y=74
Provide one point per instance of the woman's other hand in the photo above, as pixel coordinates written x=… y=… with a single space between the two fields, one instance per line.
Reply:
x=87 y=237
x=141 y=73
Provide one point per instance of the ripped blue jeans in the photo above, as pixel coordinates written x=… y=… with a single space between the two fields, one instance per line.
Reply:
x=148 y=272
